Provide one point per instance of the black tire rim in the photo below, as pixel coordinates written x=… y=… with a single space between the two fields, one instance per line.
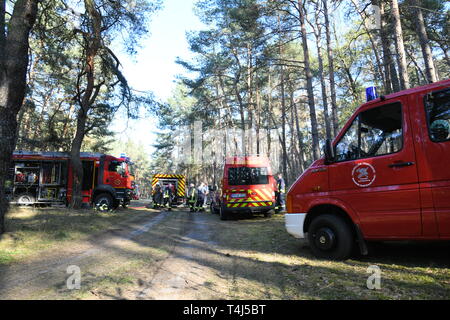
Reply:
x=325 y=239
x=103 y=204
x=25 y=200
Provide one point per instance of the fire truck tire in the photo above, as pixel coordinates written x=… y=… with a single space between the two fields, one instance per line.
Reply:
x=104 y=201
x=268 y=214
x=213 y=209
x=330 y=237
x=25 y=199
x=223 y=213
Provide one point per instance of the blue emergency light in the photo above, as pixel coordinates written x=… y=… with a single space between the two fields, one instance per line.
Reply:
x=371 y=94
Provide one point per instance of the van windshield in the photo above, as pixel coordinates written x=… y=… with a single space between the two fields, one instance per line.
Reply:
x=244 y=176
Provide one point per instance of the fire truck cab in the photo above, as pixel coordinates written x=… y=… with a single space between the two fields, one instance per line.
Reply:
x=108 y=181
x=385 y=177
x=247 y=186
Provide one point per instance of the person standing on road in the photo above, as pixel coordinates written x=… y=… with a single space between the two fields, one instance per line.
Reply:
x=201 y=197
x=167 y=196
x=279 y=194
x=205 y=191
x=192 y=197
x=157 y=196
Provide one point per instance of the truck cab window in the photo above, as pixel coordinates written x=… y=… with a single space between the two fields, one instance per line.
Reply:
x=374 y=132
x=437 y=105
x=347 y=148
x=117 y=166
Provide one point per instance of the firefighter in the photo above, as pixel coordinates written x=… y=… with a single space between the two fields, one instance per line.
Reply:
x=205 y=191
x=167 y=197
x=157 y=196
x=192 y=197
x=201 y=197
x=279 y=194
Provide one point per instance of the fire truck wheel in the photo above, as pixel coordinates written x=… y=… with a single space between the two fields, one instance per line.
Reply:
x=267 y=214
x=104 y=202
x=330 y=237
x=213 y=209
x=25 y=199
x=223 y=213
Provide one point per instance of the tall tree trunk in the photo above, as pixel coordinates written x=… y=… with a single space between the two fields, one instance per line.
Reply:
x=299 y=139
x=387 y=56
x=334 y=107
x=309 y=83
x=396 y=86
x=378 y=70
x=318 y=34
x=400 y=47
x=2 y=28
x=86 y=99
x=283 y=122
x=258 y=121
x=430 y=70
x=283 y=110
x=77 y=166
x=14 y=60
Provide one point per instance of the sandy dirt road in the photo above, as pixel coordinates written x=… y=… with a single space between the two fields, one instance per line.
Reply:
x=160 y=255
x=196 y=256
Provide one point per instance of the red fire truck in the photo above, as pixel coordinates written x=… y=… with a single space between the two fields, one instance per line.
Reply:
x=247 y=186
x=47 y=178
x=385 y=177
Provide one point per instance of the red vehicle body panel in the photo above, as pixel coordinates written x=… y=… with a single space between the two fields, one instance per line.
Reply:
x=252 y=197
x=398 y=202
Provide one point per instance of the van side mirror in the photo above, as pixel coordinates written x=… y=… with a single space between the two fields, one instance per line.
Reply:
x=329 y=152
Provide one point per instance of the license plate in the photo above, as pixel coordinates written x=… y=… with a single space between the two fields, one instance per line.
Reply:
x=238 y=195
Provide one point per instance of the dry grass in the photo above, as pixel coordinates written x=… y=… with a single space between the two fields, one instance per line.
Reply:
x=270 y=264
x=32 y=230
x=252 y=258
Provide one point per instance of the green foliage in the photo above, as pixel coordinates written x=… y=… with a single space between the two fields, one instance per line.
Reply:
x=56 y=84
x=249 y=63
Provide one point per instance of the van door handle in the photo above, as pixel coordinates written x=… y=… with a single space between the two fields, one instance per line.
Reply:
x=401 y=165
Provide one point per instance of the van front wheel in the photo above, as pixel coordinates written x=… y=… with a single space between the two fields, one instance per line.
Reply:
x=330 y=237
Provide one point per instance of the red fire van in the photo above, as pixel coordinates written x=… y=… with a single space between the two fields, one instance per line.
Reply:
x=247 y=186
x=386 y=176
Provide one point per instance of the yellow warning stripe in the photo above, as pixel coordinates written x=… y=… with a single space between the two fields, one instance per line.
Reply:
x=249 y=204
x=169 y=176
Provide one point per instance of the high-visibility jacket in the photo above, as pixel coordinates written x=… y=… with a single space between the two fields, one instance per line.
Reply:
x=167 y=193
x=192 y=194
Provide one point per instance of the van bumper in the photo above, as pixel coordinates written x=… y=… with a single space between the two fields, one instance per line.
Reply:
x=250 y=209
x=294 y=224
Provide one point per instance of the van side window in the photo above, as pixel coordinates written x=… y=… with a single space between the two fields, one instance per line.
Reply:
x=347 y=148
x=242 y=176
x=374 y=132
x=437 y=106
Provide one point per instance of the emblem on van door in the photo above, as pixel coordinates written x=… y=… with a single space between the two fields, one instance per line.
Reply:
x=364 y=175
